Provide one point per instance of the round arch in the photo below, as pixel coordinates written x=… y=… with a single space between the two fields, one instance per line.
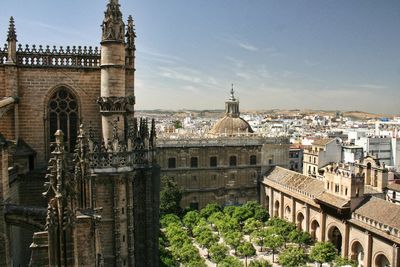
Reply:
x=276 y=208
x=335 y=237
x=315 y=230
x=357 y=252
x=300 y=220
x=288 y=212
x=381 y=260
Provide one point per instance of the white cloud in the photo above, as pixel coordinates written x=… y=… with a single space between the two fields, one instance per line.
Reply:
x=247 y=46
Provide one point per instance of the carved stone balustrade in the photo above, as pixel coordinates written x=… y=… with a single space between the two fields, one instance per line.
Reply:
x=113 y=162
x=68 y=57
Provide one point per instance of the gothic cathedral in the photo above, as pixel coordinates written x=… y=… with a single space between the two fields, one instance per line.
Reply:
x=67 y=121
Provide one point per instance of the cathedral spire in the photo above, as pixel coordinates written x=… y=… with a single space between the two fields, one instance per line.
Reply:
x=130 y=34
x=12 y=43
x=232 y=105
x=113 y=25
x=232 y=94
x=12 y=36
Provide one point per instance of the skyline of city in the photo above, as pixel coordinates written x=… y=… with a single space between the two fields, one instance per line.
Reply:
x=304 y=54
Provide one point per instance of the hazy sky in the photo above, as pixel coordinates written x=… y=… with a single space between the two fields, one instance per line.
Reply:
x=321 y=54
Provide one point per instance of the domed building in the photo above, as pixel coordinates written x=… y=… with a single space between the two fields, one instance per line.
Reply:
x=231 y=124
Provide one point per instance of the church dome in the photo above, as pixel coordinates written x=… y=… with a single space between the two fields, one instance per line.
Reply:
x=231 y=124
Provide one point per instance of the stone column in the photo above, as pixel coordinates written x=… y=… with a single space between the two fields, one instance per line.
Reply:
x=345 y=240
x=271 y=202
x=281 y=206
x=323 y=226
x=368 y=250
x=293 y=210
x=307 y=217
x=395 y=260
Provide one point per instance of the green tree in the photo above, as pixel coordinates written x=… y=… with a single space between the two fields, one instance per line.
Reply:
x=323 y=252
x=260 y=263
x=300 y=237
x=233 y=239
x=246 y=249
x=241 y=214
x=251 y=225
x=259 y=235
x=292 y=257
x=191 y=219
x=228 y=225
x=208 y=210
x=261 y=214
x=274 y=241
x=218 y=253
x=186 y=253
x=170 y=196
x=206 y=239
x=167 y=219
x=166 y=258
x=201 y=226
x=229 y=210
x=339 y=261
x=282 y=227
x=230 y=261
x=257 y=211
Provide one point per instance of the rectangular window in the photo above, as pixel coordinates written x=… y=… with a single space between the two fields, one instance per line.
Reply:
x=171 y=163
x=270 y=161
x=213 y=162
x=193 y=162
x=232 y=161
x=253 y=160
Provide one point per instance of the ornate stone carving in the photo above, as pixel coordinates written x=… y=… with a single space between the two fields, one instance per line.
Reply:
x=82 y=172
x=61 y=186
x=113 y=26
x=12 y=35
x=115 y=104
x=137 y=149
x=130 y=34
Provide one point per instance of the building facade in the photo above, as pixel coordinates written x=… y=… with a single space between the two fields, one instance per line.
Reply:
x=67 y=121
x=347 y=207
x=321 y=153
x=225 y=165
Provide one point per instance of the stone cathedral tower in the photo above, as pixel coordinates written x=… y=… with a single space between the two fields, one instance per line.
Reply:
x=102 y=179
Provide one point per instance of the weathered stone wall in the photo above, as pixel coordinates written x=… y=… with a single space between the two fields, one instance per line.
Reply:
x=223 y=184
x=85 y=253
x=36 y=86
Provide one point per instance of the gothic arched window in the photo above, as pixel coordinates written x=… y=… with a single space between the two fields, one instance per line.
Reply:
x=63 y=115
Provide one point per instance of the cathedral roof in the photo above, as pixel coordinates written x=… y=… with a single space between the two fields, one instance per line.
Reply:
x=231 y=124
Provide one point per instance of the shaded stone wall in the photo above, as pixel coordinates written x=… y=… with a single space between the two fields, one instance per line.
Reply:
x=223 y=184
x=35 y=88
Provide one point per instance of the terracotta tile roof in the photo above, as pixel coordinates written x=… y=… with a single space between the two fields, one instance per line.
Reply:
x=322 y=142
x=333 y=200
x=380 y=211
x=295 y=181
